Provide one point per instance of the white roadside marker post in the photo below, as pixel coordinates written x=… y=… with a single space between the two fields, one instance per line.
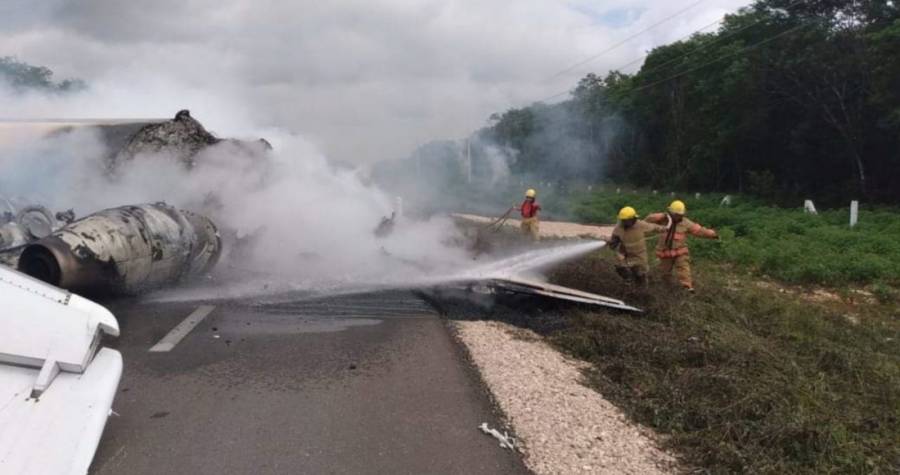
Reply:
x=854 y=213
x=809 y=207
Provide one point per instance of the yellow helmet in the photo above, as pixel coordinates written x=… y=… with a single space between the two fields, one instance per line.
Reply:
x=677 y=207
x=627 y=213
x=530 y=193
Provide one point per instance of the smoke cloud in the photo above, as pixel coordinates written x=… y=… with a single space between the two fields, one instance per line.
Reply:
x=290 y=214
x=363 y=80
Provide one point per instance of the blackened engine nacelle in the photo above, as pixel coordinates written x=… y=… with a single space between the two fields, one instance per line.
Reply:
x=125 y=250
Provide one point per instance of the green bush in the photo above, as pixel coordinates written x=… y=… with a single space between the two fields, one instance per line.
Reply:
x=786 y=244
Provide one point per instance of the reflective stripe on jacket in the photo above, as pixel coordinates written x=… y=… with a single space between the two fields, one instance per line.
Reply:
x=674 y=242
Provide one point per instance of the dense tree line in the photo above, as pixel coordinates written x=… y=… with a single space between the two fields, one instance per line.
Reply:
x=21 y=76
x=787 y=98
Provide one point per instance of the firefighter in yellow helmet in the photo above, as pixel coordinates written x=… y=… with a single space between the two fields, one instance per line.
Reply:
x=529 y=209
x=672 y=249
x=629 y=240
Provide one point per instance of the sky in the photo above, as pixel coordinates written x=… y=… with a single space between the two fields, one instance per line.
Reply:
x=362 y=80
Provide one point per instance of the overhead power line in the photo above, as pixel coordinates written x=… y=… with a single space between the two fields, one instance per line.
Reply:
x=683 y=55
x=626 y=40
x=736 y=53
x=711 y=42
x=708 y=63
x=643 y=57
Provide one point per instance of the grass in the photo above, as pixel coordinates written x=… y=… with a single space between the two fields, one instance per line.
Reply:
x=741 y=378
x=754 y=373
x=785 y=244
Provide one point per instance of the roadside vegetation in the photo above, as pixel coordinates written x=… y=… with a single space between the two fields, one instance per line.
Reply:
x=786 y=360
x=742 y=377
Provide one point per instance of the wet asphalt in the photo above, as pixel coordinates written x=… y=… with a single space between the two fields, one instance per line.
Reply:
x=353 y=384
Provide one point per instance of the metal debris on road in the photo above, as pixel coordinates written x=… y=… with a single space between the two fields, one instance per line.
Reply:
x=526 y=286
x=506 y=441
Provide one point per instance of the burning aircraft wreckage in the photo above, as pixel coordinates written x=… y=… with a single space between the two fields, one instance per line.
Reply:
x=128 y=249
x=49 y=334
x=140 y=247
x=58 y=383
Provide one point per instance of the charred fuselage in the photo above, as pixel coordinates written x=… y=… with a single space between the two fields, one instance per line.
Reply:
x=125 y=250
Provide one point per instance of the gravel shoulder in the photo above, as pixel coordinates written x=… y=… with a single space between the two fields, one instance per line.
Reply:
x=562 y=426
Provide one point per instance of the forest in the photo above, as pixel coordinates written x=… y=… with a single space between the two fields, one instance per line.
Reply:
x=22 y=77
x=787 y=99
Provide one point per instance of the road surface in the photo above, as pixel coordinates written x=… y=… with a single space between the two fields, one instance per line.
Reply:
x=354 y=384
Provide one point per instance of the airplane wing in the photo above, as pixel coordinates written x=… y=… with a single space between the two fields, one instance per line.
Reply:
x=526 y=286
x=56 y=384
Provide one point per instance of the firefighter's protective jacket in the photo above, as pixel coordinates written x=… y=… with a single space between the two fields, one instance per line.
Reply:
x=631 y=243
x=674 y=242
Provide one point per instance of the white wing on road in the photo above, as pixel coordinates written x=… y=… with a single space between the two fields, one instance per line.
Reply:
x=56 y=388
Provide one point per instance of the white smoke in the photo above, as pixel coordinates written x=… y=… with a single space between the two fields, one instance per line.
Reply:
x=291 y=219
x=498 y=160
x=299 y=217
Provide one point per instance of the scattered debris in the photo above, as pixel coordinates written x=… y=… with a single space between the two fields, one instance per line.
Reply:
x=386 y=226
x=21 y=224
x=182 y=138
x=66 y=216
x=506 y=441
x=519 y=285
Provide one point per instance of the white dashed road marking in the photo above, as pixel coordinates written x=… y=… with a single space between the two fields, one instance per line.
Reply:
x=182 y=329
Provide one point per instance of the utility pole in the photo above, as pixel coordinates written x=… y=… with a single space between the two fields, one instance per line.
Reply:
x=468 y=161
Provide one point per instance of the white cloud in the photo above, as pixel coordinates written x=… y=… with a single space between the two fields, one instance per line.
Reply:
x=365 y=80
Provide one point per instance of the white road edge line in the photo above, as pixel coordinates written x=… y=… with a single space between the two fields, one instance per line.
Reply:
x=182 y=329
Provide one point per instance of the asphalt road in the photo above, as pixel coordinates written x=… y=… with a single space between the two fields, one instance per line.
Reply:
x=354 y=384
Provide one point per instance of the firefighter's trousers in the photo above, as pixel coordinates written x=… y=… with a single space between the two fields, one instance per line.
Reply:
x=681 y=265
x=532 y=228
x=636 y=273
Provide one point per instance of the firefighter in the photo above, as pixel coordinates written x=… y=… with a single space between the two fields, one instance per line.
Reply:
x=529 y=210
x=629 y=241
x=672 y=248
